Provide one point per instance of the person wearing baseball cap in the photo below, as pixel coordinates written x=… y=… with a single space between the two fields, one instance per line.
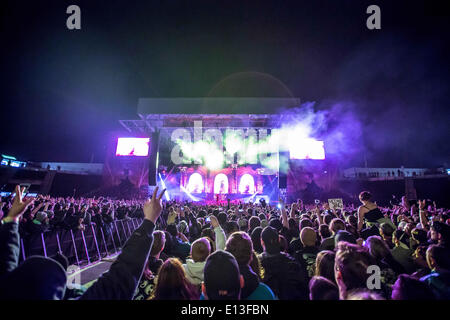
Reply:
x=222 y=278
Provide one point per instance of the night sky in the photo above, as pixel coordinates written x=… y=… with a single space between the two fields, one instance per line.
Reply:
x=63 y=91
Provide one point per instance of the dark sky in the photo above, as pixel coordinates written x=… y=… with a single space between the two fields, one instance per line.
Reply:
x=63 y=91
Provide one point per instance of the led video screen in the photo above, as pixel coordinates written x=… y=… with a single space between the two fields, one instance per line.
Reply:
x=132 y=147
x=307 y=149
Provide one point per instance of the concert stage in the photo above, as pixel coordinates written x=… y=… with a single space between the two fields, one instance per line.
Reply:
x=227 y=155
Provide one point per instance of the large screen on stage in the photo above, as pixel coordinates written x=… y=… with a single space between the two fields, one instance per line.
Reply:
x=307 y=149
x=132 y=147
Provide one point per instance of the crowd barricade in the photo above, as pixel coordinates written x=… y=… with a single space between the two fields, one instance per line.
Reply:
x=81 y=247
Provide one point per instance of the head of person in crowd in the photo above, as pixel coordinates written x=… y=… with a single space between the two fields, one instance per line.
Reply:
x=321 y=288
x=308 y=237
x=270 y=240
x=183 y=227
x=365 y=197
x=43 y=278
x=172 y=284
x=324 y=231
x=409 y=288
x=352 y=220
x=264 y=223
x=325 y=265
x=283 y=243
x=41 y=217
x=262 y=217
x=377 y=248
x=419 y=237
x=438 y=258
x=276 y=224
x=253 y=223
x=200 y=250
x=243 y=224
x=386 y=230
x=231 y=227
x=336 y=224
x=173 y=230
x=350 y=267
x=256 y=239
x=62 y=260
x=222 y=218
x=363 y=294
x=222 y=278
x=440 y=233
x=168 y=243
x=154 y=263
x=305 y=223
x=159 y=242
x=327 y=218
x=343 y=235
x=208 y=233
x=240 y=246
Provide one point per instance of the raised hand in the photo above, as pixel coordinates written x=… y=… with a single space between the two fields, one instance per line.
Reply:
x=281 y=202
x=153 y=206
x=421 y=204
x=18 y=206
x=214 y=221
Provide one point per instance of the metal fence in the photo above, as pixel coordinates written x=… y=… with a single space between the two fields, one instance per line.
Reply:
x=81 y=247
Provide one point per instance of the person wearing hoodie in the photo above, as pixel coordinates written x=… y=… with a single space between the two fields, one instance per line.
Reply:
x=40 y=223
x=240 y=245
x=180 y=244
x=200 y=250
x=401 y=252
x=45 y=278
x=219 y=233
x=147 y=283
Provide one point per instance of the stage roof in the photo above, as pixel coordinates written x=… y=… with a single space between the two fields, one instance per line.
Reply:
x=224 y=112
x=226 y=105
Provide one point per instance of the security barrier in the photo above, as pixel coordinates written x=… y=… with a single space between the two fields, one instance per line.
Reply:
x=81 y=247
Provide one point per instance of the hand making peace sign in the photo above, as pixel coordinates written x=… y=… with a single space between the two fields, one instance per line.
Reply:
x=153 y=206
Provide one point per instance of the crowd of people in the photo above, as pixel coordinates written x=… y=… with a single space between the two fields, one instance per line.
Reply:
x=239 y=251
x=46 y=213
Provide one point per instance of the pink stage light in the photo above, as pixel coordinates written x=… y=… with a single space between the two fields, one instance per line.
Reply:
x=132 y=147
x=307 y=149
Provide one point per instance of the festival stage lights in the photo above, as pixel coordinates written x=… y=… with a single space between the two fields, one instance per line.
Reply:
x=189 y=194
x=164 y=187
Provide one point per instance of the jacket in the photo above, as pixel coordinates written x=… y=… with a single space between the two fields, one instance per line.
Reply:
x=194 y=271
x=284 y=276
